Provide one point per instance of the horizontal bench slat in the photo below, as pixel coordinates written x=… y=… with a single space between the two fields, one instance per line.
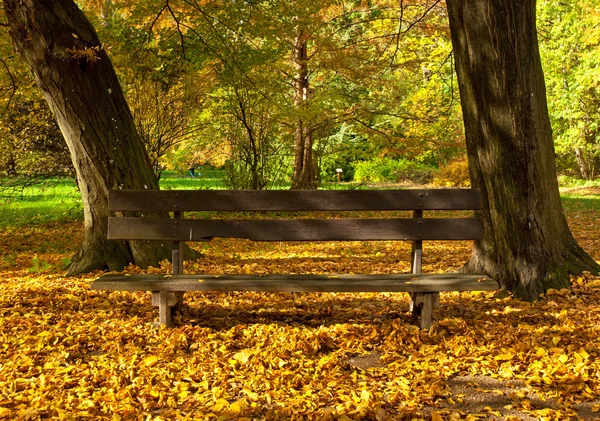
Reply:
x=295 y=229
x=293 y=200
x=298 y=283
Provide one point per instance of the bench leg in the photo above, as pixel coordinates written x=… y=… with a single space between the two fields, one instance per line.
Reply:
x=416 y=301
x=436 y=299
x=164 y=309
x=168 y=303
x=427 y=310
x=178 y=307
x=422 y=305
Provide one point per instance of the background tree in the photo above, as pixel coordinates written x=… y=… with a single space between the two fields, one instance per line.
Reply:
x=163 y=111
x=412 y=112
x=164 y=91
x=527 y=245
x=355 y=64
x=570 y=47
x=77 y=79
x=31 y=145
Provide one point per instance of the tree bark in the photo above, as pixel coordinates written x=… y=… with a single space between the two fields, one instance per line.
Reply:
x=77 y=79
x=304 y=176
x=527 y=245
x=582 y=163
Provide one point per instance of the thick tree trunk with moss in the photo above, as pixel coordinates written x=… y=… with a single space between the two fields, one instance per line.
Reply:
x=527 y=245
x=77 y=79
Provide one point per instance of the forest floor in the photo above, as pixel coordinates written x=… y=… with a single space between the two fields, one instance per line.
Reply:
x=67 y=352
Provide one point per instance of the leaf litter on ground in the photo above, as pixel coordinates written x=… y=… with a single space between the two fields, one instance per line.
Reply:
x=67 y=352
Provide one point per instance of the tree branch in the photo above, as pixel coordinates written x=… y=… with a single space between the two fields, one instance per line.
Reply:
x=181 y=38
x=154 y=22
x=13 y=83
x=369 y=127
x=401 y=33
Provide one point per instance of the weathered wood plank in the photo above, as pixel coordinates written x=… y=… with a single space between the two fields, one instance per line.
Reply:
x=293 y=200
x=295 y=229
x=297 y=283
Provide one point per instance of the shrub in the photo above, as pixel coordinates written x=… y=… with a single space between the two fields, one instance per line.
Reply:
x=371 y=171
x=454 y=174
x=381 y=170
x=329 y=166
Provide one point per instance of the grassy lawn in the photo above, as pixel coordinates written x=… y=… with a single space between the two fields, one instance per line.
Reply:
x=206 y=179
x=58 y=199
x=581 y=198
x=51 y=201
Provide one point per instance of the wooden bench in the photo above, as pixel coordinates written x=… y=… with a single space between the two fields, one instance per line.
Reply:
x=168 y=289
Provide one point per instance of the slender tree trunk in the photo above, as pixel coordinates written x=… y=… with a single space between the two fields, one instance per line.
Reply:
x=527 y=245
x=304 y=177
x=253 y=153
x=253 y=150
x=582 y=163
x=11 y=165
x=105 y=12
x=77 y=79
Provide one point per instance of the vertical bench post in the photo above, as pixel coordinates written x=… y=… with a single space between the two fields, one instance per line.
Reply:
x=177 y=250
x=421 y=303
x=177 y=267
x=416 y=262
x=416 y=257
x=169 y=302
x=427 y=308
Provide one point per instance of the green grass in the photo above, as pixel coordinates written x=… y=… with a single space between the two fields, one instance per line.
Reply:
x=208 y=179
x=58 y=200
x=570 y=182
x=576 y=202
x=580 y=195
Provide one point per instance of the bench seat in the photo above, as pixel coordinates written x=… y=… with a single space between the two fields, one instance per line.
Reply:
x=297 y=283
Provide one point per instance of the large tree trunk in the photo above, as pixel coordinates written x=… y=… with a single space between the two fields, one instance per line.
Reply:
x=304 y=175
x=527 y=245
x=77 y=79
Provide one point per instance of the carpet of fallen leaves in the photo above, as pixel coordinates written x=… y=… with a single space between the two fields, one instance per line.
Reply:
x=67 y=352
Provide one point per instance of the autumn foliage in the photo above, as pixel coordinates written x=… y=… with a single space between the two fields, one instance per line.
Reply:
x=67 y=352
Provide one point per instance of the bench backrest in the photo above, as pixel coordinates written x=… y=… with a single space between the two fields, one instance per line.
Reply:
x=178 y=228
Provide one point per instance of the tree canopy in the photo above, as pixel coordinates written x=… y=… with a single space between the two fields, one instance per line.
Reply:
x=381 y=85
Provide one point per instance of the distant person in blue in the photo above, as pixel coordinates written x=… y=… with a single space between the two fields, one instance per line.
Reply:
x=191 y=169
